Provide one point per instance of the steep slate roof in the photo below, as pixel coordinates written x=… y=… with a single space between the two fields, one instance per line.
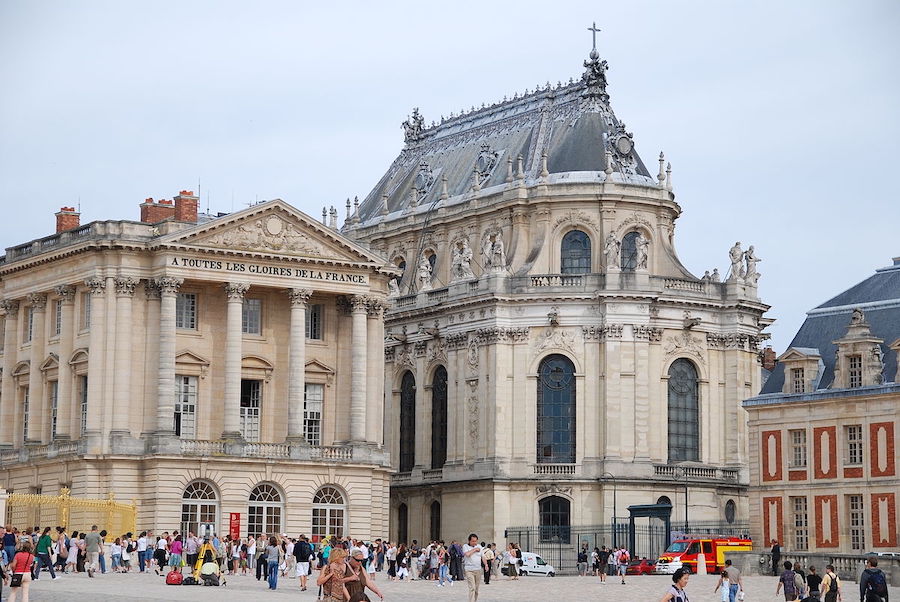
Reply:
x=573 y=124
x=878 y=296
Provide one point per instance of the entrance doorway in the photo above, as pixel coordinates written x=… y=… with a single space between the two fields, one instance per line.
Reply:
x=251 y=396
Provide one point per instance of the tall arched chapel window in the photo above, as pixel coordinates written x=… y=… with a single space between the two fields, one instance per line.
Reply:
x=556 y=519
x=575 y=253
x=439 y=418
x=684 y=412
x=407 y=422
x=629 y=251
x=556 y=411
x=402 y=523
x=435 y=530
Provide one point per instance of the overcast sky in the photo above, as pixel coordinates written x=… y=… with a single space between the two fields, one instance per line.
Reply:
x=780 y=118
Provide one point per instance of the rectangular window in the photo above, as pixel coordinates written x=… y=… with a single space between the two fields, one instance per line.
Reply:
x=854 y=364
x=25 y=400
x=85 y=311
x=186 y=311
x=83 y=398
x=798 y=448
x=853 y=434
x=57 y=317
x=54 y=408
x=798 y=381
x=801 y=523
x=251 y=316
x=857 y=522
x=186 y=406
x=29 y=325
x=314 y=318
x=313 y=398
x=251 y=394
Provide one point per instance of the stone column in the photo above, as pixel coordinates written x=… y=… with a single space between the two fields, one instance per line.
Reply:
x=375 y=376
x=96 y=354
x=234 y=291
x=36 y=413
x=10 y=353
x=165 y=382
x=122 y=406
x=358 y=354
x=64 y=401
x=299 y=297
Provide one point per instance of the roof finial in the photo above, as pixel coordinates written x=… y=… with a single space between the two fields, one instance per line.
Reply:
x=544 y=172
x=594 y=31
x=384 y=204
x=444 y=194
x=324 y=215
x=668 y=176
x=509 y=170
x=349 y=216
x=476 y=180
x=662 y=172
x=520 y=169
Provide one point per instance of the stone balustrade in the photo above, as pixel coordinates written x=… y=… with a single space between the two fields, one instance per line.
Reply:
x=705 y=473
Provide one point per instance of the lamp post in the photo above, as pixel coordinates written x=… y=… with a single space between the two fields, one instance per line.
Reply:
x=615 y=508
x=679 y=472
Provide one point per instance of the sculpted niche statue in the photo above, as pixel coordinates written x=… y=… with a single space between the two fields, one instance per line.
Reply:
x=461 y=266
x=612 y=251
x=423 y=273
x=642 y=244
x=494 y=253
x=393 y=287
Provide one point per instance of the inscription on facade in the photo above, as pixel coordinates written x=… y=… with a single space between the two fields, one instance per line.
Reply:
x=267 y=270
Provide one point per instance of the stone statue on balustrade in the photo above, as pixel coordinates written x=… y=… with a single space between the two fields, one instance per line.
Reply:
x=736 y=254
x=612 y=251
x=461 y=264
x=751 y=276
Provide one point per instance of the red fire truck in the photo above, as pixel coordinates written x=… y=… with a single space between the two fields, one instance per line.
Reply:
x=684 y=553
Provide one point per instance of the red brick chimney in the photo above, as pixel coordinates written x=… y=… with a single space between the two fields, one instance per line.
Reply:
x=67 y=219
x=768 y=361
x=153 y=213
x=186 y=206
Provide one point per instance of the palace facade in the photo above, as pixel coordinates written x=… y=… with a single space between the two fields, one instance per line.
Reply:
x=549 y=360
x=204 y=366
x=823 y=453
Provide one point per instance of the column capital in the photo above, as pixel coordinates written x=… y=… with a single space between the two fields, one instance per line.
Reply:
x=10 y=306
x=66 y=293
x=125 y=286
x=151 y=289
x=358 y=304
x=235 y=291
x=38 y=301
x=168 y=285
x=376 y=307
x=97 y=285
x=299 y=296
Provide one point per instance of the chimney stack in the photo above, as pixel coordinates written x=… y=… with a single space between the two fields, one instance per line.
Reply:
x=768 y=359
x=67 y=219
x=186 y=206
x=153 y=213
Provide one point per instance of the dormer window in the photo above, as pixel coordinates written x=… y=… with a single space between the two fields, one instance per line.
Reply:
x=854 y=371
x=798 y=381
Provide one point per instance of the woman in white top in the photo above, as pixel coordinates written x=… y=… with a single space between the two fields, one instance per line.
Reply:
x=72 y=558
x=251 y=553
x=235 y=556
x=126 y=555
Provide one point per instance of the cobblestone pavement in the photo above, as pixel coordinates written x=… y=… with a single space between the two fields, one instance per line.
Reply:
x=136 y=586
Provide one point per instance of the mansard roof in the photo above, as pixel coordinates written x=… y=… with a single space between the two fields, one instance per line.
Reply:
x=573 y=124
x=878 y=296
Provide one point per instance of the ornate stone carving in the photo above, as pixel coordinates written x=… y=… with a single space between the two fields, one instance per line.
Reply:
x=576 y=217
x=10 y=306
x=423 y=273
x=424 y=180
x=389 y=354
x=97 y=285
x=358 y=304
x=125 y=286
x=375 y=307
x=594 y=77
x=601 y=333
x=460 y=266
x=472 y=407
x=151 y=289
x=612 y=251
x=633 y=220
x=66 y=293
x=494 y=251
x=687 y=344
x=299 y=296
x=726 y=341
x=168 y=285
x=268 y=233
x=236 y=290
x=437 y=351
x=500 y=334
x=555 y=338
x=751 y=276
x=394 y=287
x=472 y=358
x=486 y=162
x=552 y=488
x=736 y=255
x=646 y=333
x=421 y=347
x=402 y=357
x=38 y=301
x=413 y=127
x=642 y=244
x=457 y=340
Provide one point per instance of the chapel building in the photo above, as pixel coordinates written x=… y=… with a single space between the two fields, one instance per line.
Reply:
x=549 y=360
x=211 y=368
x=823 y=432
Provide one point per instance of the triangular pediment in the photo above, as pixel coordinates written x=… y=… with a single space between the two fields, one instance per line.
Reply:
x=273 y=228
x=189 y=357
x=317 y=367
x=799 y=353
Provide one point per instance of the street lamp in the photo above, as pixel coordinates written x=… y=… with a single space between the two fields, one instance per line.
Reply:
x=679 y=472
x=615 y=508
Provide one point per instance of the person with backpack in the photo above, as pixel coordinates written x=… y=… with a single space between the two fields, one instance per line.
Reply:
x=791 y=582
x=831 y=585
x=622 y=560
x=872 y=583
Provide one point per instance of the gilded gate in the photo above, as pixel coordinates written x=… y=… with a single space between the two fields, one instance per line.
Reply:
x=25 y=510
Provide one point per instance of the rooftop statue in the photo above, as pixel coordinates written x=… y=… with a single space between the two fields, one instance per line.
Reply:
x=413 y=127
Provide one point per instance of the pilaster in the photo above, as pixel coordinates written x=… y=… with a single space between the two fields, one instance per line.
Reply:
x=10 y=356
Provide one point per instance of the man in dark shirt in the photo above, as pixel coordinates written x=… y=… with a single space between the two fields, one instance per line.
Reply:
x=604 y=557
x=776 y=557
x=813 y=581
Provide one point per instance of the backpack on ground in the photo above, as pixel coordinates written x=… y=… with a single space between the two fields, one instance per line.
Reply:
x=210 y=580
x=174 y=578
x=189 y=580
x=876 y=586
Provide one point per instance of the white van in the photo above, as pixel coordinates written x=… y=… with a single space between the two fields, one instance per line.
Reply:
x=533 y=564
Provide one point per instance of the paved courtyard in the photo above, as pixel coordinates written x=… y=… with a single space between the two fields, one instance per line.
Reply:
x=543 y=589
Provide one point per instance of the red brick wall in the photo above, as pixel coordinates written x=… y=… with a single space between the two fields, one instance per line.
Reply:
x=796 y=475
x=153 y=213
x=825 y=467
x=830 y=519
x=773 y=505
x=882 y=464
x=884 y=504
x=771 y=473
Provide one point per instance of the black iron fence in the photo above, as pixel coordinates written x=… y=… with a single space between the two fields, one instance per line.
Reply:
x=559 y=545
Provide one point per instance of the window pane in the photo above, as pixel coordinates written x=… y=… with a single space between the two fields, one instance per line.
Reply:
x=629 y=251
x=251 y=316
x=251 y=393
x=439 y=418
x=186 y=311
x=185 y=406
x=314 y=319
x=683 y=419
x=313 y=399
x=407 y=422
x=556 y=411
x=575 y=253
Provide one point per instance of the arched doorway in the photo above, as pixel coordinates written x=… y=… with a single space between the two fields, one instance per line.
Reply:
x=555 y=519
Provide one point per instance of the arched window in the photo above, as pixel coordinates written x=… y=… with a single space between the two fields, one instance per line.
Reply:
x=439 y=418
x=664 y=499
x=684 y=414
x=402 y=523
x=555 y=517
x=575 y=254
x=407 y=422
x=329 y=513
x=630 y=251
x=199 y=505
x=435 y=530
x=556 y=411
x=730 y=511
x=266 y=510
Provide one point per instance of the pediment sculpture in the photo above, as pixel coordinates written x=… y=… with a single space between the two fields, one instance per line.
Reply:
x=269 y=234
